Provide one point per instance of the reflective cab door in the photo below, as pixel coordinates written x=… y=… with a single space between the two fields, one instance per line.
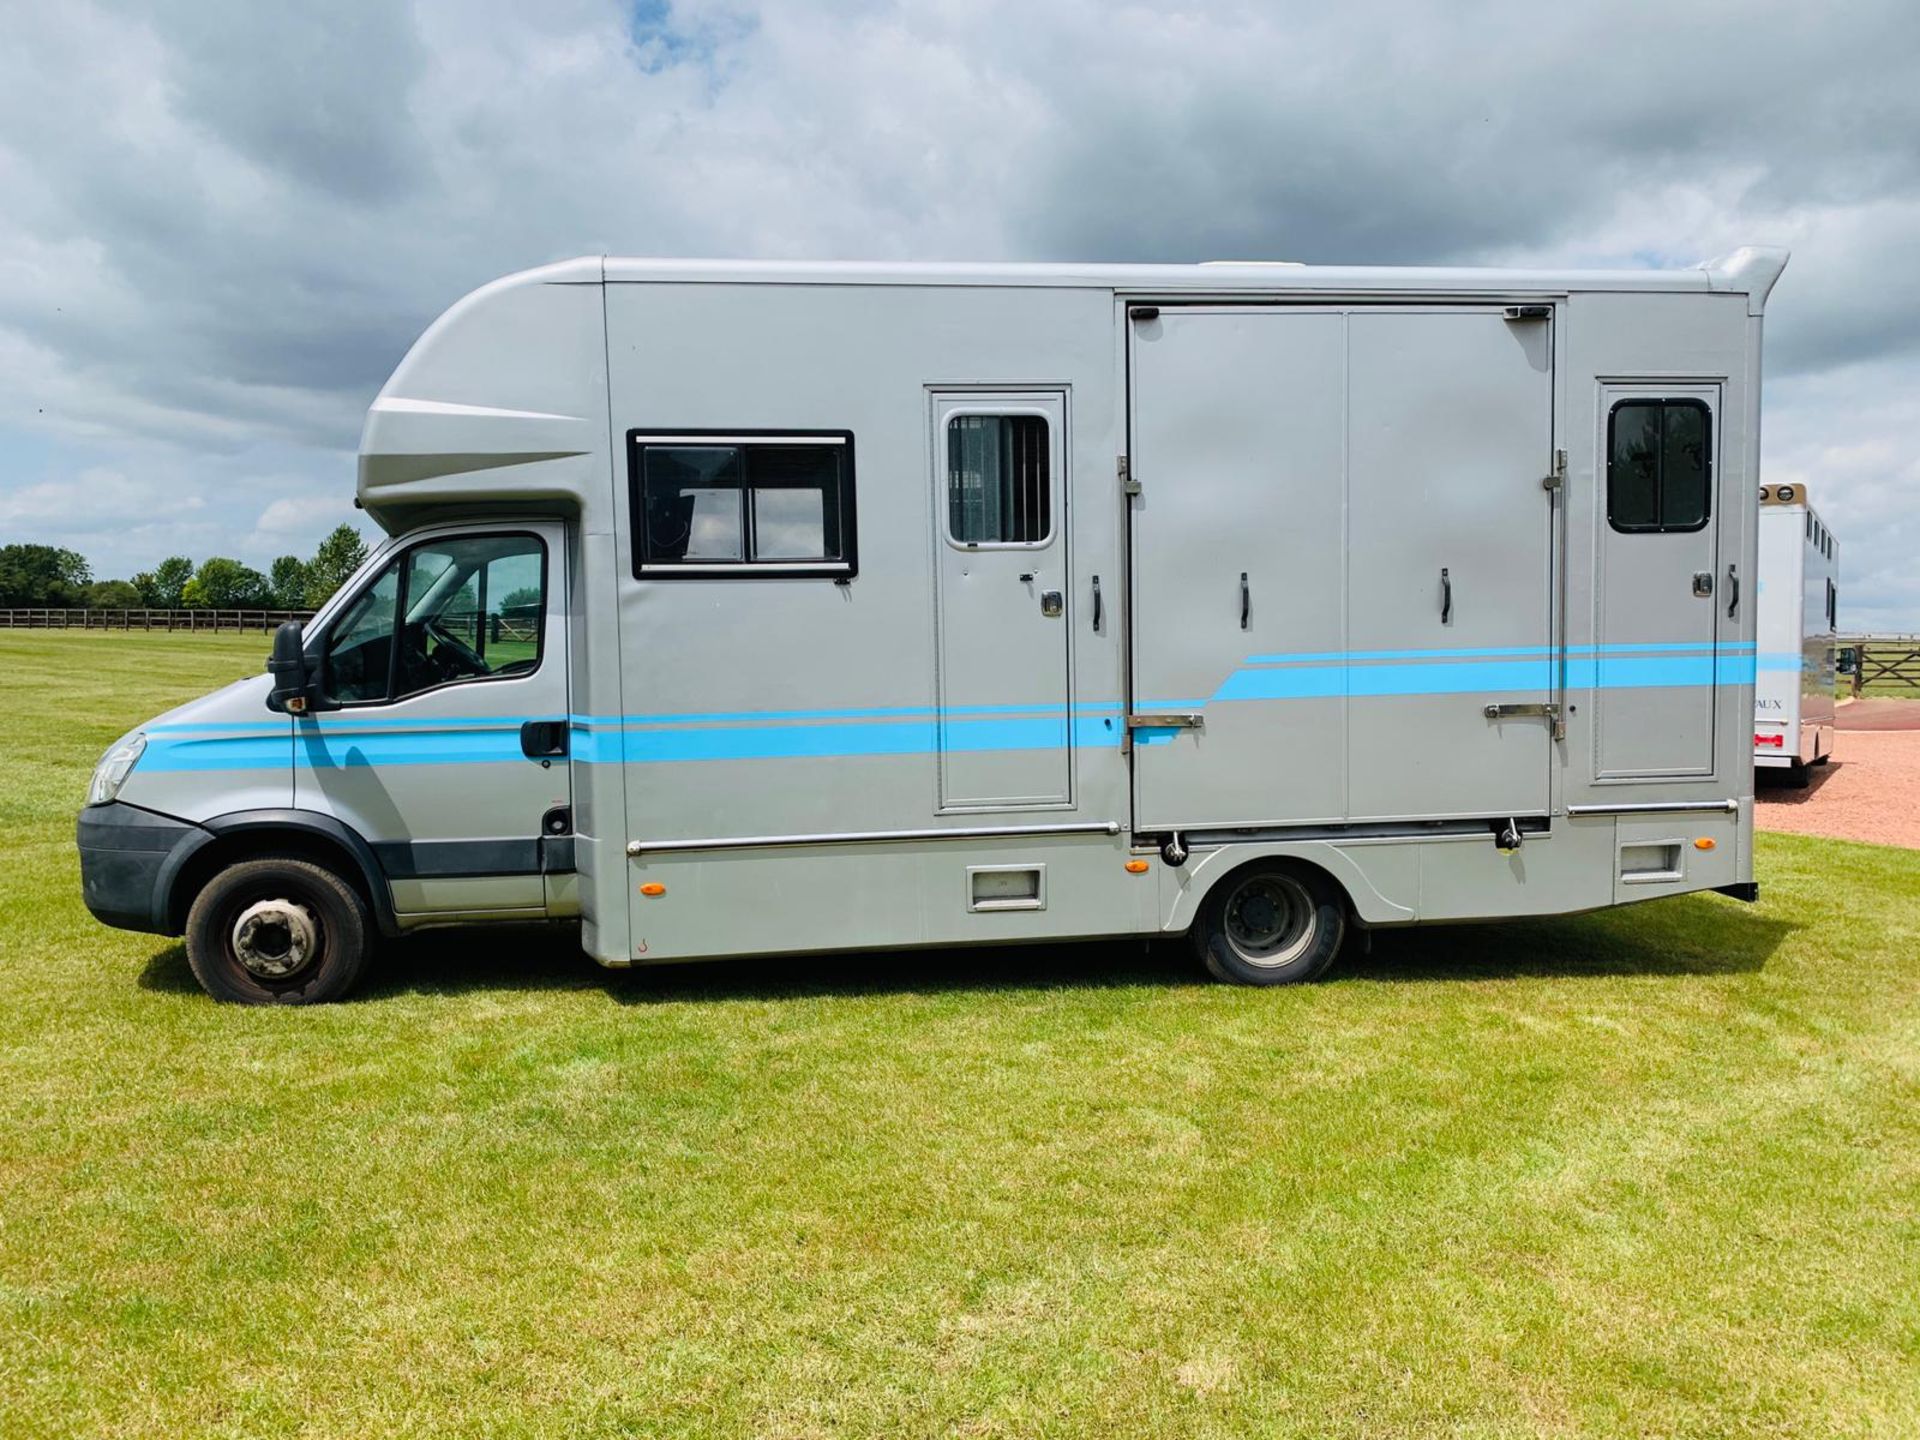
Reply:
x=448 y=749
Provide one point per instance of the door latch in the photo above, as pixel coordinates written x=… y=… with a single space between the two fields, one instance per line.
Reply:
x=543 y=740
x=1556 y=478
x=1703 y=583
x=1052 y=602
x=1547 y=711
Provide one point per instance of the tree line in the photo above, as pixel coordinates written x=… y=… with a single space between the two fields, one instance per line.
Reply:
x=46 y=576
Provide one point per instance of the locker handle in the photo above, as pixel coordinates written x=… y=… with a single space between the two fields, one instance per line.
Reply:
x=1733 y=586
x=1446 y=597
x=1097 y=611
x=1246 y=601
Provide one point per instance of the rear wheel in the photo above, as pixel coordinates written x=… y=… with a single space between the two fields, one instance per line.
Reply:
x=1274 y=924
x=277 y=931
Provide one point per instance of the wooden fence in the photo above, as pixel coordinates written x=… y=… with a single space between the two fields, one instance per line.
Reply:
x=1884 y=660
x=191 y=621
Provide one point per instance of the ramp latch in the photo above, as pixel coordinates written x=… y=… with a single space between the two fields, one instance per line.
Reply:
x=1509 y=838
x=1183 y=720
x=1548 y=711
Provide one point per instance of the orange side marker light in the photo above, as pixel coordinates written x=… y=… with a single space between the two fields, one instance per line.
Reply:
x=1705 y=842
x=1136 y=867
x=653 y=887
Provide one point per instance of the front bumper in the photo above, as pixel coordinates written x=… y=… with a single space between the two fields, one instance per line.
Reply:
x=129 y=858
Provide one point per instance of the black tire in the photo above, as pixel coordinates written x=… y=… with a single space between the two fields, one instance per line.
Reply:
x=1799 y=775
x=1271 y=924
x=321 y=919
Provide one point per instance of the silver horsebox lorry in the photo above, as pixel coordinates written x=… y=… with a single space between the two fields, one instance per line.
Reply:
x=735 y=609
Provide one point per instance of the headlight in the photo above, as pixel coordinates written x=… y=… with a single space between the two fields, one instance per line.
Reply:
x=114 y=767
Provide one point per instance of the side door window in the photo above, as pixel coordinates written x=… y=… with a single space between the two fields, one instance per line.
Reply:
x=466 y=608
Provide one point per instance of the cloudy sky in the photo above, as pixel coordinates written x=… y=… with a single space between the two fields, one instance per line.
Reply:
x=223 y=221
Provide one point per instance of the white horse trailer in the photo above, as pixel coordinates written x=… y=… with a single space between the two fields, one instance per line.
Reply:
x=733 y=609
x=1798 y=607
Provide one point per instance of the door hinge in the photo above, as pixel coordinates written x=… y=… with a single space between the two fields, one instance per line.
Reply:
x=1556 y=477
x=1128 y=485
x=1547 y=710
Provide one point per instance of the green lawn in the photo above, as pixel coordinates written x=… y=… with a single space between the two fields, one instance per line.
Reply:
x=1654 y=1172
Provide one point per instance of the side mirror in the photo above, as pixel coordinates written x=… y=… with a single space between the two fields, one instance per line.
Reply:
x=292 y=692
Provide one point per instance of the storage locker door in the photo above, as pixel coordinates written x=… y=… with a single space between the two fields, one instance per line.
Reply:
x=1238 y=557
x=1449 y=571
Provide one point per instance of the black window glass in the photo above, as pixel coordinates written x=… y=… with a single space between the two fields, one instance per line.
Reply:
x=447 y=610
x=359 y=657
x=1683 y=469
x=1659 y=465
x=709 y=507
x=796 y=501
x=999 y=480
x=474 y=609
x=695 y=506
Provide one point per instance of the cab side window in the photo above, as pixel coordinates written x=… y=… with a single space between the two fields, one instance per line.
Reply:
x=460 y=609
x=359 y=653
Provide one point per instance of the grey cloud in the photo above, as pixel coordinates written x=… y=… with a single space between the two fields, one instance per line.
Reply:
x=224 y=223
x=316 y=95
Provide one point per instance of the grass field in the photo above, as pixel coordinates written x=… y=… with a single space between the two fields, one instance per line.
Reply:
x=1653 y=1172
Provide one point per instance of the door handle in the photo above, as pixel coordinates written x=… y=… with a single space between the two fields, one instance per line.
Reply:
x=1733 y=592
x=1703 y=583
x=1097 y=611
x=543 y=739
x=1052 y=602
x=1446 y=597
x=1246 y=600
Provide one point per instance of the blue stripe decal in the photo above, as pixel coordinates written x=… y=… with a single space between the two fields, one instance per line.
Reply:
x=217 y=752
x=367 y=741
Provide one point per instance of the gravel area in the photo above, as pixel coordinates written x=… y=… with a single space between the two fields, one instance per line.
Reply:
x=1878 y=713
x=1869 y=790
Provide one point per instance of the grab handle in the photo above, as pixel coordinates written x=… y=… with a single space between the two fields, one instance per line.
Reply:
x=1246 y=600
x=1097 y=611
x=1446 y=597
x=1733 y=592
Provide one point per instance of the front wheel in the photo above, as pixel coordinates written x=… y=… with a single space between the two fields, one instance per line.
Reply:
x=277 y=931
x=1274 y=924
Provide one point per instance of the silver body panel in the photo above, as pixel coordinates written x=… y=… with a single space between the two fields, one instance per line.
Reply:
x=933 y=749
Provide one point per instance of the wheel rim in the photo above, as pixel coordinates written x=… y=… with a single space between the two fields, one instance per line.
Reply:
x=1270 y=920
x=275 y=939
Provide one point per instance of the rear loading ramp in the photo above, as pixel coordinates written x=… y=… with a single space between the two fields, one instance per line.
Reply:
x=1341 y=558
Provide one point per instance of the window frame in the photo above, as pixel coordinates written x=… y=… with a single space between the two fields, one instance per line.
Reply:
x=1665 y=402
x=994 y=410
x=402 y=556
x=639 y=440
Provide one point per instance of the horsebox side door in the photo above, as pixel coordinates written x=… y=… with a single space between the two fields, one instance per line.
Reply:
x=1003 y=728
x=1663 y=591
